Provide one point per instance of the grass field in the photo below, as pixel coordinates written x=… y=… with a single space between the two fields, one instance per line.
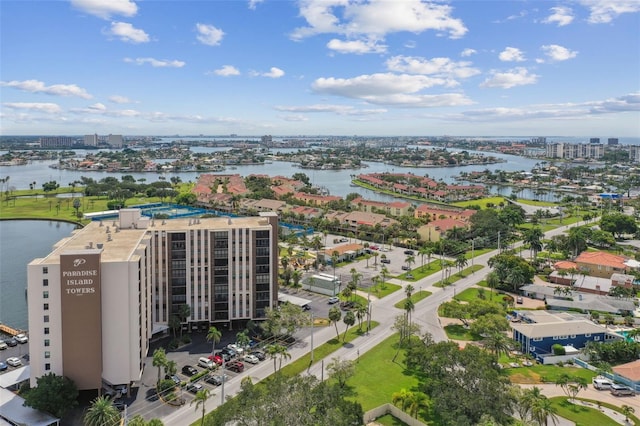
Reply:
x=415 y=298
x=459 y=332
x=381 y=290
x=579 y=414
x=543 y=373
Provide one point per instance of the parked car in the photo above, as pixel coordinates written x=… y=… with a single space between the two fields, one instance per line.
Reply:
x=259 y=354
x=236 y=366
x=601 y=383
x=14 y=361
x=519 y=300
x=385 y=260
x=11 y=342
x=174 y=378
x=236 y=348
x=621 y=390
x=409 y=252
x=409 y=276
x=217 y=359
x=406 y=268
x=216 y=380
x=21 y=338
x=120 y=405
x=344 y=240
x=3 y=366
x=3 y=345
x=333 y=299
x=194 y=387
x=226 y=356
x=251 y=359
x=189 y=370
x=374 y=247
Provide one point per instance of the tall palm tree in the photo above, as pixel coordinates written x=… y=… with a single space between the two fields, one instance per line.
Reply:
x=542 y=410
x=272 y=352
x=360 y=311
x=498 y=343
x=159 y=360
x=101 y=412
x=409 y=289
x=214 y=335
x=283 y=353
x=334 y=316
x=409 y=307
x=417 y=400
x=492 y=281
x=410 y=260
x=200 y=400
x=402 y=398
x=425 y=251
x=461 y=262
x=349 y=319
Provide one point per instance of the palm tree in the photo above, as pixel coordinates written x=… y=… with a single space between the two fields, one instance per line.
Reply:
x=214 y=335
x=296 y=276
x=461 y=262
x=402 y=398
x=425 y=251
x=542 y=410
x=200 y=400
x=360 y=311
x=417 y=400
x=283 y=353
x=349 y=319
x=334 y=316
x=334 y=260
x=171 y=367
x=492 y=281
x=242 y=339
x=409 y=306
x=408 y=290
x=159 y=360
x=410 y=260
x=627 y=411
x=498 y=343
x=102 y=412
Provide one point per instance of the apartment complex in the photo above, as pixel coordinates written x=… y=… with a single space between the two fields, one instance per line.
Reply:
x=96 y=300
x=575 y=150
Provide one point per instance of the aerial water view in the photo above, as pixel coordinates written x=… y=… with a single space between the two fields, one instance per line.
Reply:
x=319 y=212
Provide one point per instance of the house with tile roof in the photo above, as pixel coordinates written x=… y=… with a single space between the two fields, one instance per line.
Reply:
x=601 y=264
x=437 y=229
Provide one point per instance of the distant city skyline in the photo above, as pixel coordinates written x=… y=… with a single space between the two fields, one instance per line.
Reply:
x=321 y=67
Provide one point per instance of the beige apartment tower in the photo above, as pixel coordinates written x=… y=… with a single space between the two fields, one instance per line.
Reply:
x=97 y=299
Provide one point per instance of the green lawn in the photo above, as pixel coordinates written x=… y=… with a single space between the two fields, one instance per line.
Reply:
x=543 y=373
x=389 y=420
x=579 y=414
x=377 y=377
x=415 y=297
x=481 y=202
x=459 y=275
x=422 y=271
x=381 y=290
x=458 y=332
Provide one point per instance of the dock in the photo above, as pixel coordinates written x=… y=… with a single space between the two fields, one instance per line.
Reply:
x=9 y=330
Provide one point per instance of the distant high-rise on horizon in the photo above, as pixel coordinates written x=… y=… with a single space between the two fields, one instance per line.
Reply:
x=91 y=140
x=594 y=140
x=612 y=141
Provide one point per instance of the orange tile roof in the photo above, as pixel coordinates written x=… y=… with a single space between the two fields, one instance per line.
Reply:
x=630 y=370
x=602 y=258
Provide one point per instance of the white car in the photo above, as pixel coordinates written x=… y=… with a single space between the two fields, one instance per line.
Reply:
x=21 y=338
x=238 y=350
x=14 y=361
x=333 y=299
x=3 y=345
x=251 y=359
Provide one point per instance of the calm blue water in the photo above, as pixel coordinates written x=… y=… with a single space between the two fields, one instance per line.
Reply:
x=21 y=241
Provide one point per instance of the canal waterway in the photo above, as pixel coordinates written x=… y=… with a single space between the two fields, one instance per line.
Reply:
x=21 y=241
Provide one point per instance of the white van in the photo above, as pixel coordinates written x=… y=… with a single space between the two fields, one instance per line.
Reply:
x=205 y=362
x=601 y=383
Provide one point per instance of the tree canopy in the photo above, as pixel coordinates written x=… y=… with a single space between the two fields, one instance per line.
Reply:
x=53 y=394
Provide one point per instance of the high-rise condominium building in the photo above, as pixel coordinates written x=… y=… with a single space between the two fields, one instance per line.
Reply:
x=96 y=300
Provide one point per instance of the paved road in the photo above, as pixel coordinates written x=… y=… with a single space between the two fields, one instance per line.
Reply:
x=383 y=312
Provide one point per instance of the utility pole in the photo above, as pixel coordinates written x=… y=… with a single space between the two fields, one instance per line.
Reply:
x=311 y=362
x=473 y=243
x=498 y=242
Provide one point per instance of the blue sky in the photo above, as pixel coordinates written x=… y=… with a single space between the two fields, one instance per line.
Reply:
x=320 y=67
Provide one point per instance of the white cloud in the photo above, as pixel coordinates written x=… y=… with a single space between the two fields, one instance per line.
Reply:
x=35 y=86
x=273 y=73
x=209 y=35
x=117 y=99
x=156 y=63
x=98 y=107
x=511 y=54
x=328 y=108
x=106 y=8
x=294 y=117
x=604 y=11
x=376 y=18
x=49 y=108
x=558 y=53
x=560 y=15
x=127 y=33
x=512 y=78
x=569 y=110
x=254 y=3
x=226 y=71
x=443 y=67
x=390 y=89
x=468 y=52
x=356 y=46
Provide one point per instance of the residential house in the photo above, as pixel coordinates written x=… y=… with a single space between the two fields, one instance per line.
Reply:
x=344 y=252
x=397 y=208
x=352 y=220
x=432 y=213
x=437 y=229
x=263 y=205
x=315 y=200
x=537 y=338
x=601 y=264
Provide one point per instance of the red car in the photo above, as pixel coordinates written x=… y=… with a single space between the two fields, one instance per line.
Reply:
x=236 y=366
x=217 y=359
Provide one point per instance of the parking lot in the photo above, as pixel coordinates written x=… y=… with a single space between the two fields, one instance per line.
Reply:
x=19 y=351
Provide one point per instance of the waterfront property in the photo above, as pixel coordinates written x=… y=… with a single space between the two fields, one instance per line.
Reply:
x=97 y=299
